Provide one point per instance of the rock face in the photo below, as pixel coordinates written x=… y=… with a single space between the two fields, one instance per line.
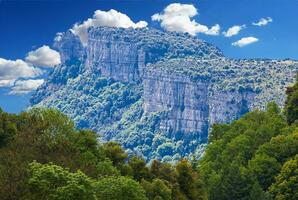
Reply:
x=190 y=106
x=120 y=60
x=69 y=46
x=228 y=106
x=157 y=93
x=185 y=100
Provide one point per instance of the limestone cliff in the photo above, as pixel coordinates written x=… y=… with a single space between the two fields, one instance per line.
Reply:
x=157 y=93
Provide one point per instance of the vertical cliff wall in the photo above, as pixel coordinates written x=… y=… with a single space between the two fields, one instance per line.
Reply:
x=158 y=93
x=120 y=60
x=190 y=105
x=185 y=100
x=228 y=106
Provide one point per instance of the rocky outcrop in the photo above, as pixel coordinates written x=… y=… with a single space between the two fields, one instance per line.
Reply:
x=158 y=93
x=228 y=106
x=185 y=100
x=69 y=46
x=120 y=60
x=190 y=106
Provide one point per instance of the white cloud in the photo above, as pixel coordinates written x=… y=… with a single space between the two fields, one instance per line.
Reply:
x=177 y=17
x=44 y=57
x=6 y=83
x=245 y=41
x=234 y=30
x=10 y=70
x=25 y=86
x=111 y=18
x=214 y=30
x=263 y=21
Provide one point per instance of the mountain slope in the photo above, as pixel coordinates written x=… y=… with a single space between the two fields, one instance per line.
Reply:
x=157 y=93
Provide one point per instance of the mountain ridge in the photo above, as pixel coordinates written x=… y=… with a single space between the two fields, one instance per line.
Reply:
x=157 y=93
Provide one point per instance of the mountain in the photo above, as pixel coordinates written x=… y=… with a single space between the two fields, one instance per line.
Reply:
x=157 y=93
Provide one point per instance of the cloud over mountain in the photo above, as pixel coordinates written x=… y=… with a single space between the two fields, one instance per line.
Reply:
x=44 y=57
x=178 y=17
x=245 y=41
x=111 y=18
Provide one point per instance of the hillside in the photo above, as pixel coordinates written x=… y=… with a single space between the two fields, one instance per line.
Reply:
x=155 y=92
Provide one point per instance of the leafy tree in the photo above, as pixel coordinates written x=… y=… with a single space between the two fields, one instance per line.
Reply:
x=265 y=169
x=115 y=153
x=258 y=193
x=8 y=128
x=186 y=179
x=285 y=187
x=51 y=182
x=155 y=168
x=291 y=105
x=45 y=135
x=140 y=171
x=119 y=188
x=233 y=166
x=158 y=189
x=106 y=168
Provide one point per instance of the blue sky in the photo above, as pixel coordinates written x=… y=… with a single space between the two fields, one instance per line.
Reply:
x=29 y=25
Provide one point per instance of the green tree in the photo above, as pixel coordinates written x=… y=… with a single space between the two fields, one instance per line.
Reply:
x=45 y=135
x=257 y=192
x=140 y=171
x=115 y=153
x=119 y=188
x=188 y=181
x=51 y=182
x=291 y=105
x=285 y=187
x=158 y=189
x=264 y=168
x=106 y=168
x=8 y=128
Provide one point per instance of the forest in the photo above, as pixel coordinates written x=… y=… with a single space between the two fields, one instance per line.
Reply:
x=43 y=156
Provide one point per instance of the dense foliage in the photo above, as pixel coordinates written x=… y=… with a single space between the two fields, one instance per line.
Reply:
x=254 y=157
x=114 y=110
x=291 y=109
x=82 y=87
x=44 y=157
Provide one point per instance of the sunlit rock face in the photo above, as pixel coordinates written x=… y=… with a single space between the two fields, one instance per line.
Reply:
x=190 y=105
x=157 y=93
x=185 y=100
x=115 y=58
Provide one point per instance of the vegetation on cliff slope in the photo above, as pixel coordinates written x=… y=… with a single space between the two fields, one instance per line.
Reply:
x=114 y=110
x=44 y=157
x=254 y=157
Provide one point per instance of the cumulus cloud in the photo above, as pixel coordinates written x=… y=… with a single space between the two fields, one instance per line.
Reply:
x=263 y=21
x=177 y=17
x=10 y=70
x=44 y=57
x=245 y=41
x=111 y=18
x=214 y=30
x=25 y=86
x=234 y=30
